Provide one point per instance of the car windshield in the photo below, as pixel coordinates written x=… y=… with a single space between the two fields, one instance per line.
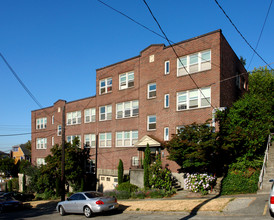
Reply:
x=93 y=194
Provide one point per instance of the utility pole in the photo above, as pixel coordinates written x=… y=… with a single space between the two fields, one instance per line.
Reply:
x=96 y=159
x=63 y=156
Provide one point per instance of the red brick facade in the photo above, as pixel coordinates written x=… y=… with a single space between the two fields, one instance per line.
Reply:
x=224 y=64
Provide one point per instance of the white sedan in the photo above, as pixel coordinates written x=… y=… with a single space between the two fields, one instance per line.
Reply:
x=87 y=203
x=271 y=199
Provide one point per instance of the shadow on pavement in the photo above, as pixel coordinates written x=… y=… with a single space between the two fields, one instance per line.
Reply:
x=195 y=210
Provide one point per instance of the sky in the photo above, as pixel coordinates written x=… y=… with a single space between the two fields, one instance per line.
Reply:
x=55 y=46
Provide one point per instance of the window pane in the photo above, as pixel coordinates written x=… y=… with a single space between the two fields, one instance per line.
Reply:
x=152 y=119
x=205 y=56
x=152 y=87
x=193 y=59
x=183 y=61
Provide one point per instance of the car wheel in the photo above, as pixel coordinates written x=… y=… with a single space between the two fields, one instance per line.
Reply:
x=87 y=211
x=62 y=211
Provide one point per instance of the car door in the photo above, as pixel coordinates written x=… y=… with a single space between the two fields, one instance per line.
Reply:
x=70 y=204
x=80 y=203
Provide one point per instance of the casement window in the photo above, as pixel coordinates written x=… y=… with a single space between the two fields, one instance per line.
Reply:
x=126 y=80
x=126 y=138
x=167 y=67
x=151 y=122
x=166 y=133
x=40 y=161
x=151 y=90
x=59 y=130
x=90 y=140
x=74 y=118
x=105 y=86
x=52 y=141
x=105 y=113
x=41 y=143
x=90 y=115
x=194 y=99
x=41 y=123
x=135 y=161
x=127 y=109
x=194 y=63
x=52 y=119
x=105 y=139
x=70 y=139
x=166 y=104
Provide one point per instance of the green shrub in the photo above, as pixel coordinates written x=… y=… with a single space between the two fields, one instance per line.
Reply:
x=118 y=194
x=240 y=182
x=138 y=195
x=156 y=193
x=120 y=172
x=127 y=186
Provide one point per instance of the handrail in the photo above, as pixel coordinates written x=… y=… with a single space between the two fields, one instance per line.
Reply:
x=263 y=170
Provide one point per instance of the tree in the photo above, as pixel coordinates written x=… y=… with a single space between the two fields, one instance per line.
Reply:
x=194 y=149
x=242 y=60
x=120 y=172
x=146 y=166
x=28 y=145
x=8 y=167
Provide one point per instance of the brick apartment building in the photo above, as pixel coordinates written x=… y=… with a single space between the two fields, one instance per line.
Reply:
x=144 y=99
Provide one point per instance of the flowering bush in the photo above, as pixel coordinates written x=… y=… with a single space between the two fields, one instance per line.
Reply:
x=199 y=182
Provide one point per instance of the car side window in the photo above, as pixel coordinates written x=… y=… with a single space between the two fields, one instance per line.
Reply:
x=81 y=197
x=74 y=197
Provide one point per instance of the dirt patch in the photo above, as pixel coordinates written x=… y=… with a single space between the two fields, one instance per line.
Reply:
x=176 y=205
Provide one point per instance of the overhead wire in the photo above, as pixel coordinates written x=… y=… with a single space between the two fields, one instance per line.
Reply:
x=241 y=34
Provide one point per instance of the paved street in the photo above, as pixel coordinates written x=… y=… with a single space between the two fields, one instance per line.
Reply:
x=241 y=207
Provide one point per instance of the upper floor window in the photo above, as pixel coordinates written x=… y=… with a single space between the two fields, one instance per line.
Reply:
x=105 y=86
x=167 y=67
x=15 y=149
x=40 y=161
x=90 y=140
x=52 y=141
x=90 y=115
x=166 y=104
x=52 y=119
x=41 y=123
x=194 y=63
x=126 y=138
x=194 y=99
x=105 y=113
x=126 y=80
x=41 y=143
x=127 y=109
x=151 y=90
x=70 y=139
x=151 y=122
x=105 y=139
x=74 y=118
x=59 y=130
x=166 y=133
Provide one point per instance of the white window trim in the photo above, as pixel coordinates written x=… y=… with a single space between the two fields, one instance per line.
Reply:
x=52 y=141
x=89 y=113
x=72 y=137
x=166 y=134
x=200 y=61
x=167 y=63
x=41 y=161
x=90 y=137
x=106 y=86
x=59 y=130
x=151 y=123
x=52 y=119
x=41 y=123
x=106 y=113
x=149 y=91
x=165 y=100
x=200 y=97
x=41 y=143
x=123 y=138
x=126 y=86
x=123 y=109
x=105 y=140
x=74 y=118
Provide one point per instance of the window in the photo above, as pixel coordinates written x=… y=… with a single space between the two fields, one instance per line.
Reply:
x=126 y=80
x=72 y=137
x=90 y=115
x=126 y=138
x=52 y=141
x=166 y=101
x=41 y=123
x=103 y=178
x=167 y=67
x=193 y=99
x=151 y=90
x=52 y=119
x=59 y=130
x=194 y=63
x=135 y=161
x=151 y=122
x=40 y=161
x=105 y=139
x=127 y=109
x=179 y=129
x=105 y=112
x=90 y=140
x=15 y=149
x=166 y=134
x=105 y=86
x=74 y=118
x=108 y=178
x=41 y=143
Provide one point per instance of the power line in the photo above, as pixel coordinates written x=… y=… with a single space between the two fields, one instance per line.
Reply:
x=261 y=32
x=240 y=33
x=176 y=53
